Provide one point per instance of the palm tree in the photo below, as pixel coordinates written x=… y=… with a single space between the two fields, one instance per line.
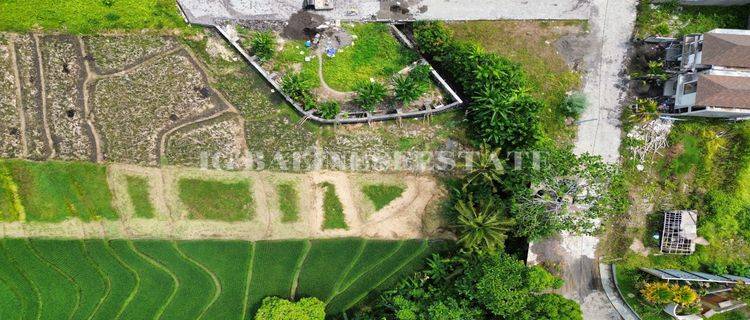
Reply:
x=487 y=169
x=482 y=227
x=370 y=95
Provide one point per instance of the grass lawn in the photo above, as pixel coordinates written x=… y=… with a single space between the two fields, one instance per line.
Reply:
x=89 y=16
x=138 y=190
x=528 y=43
x=288 y=202
x=671 y=19
x=381 y=195
x=376 y=54
x=289 y=59
x=54 y=191
x=217 y=200
x=333 y=211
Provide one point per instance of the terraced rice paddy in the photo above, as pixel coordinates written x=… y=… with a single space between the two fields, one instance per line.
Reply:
x=147 y=279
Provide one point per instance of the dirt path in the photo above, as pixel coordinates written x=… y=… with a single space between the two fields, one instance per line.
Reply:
x=19 y=96
x=43 y=92
x=402 y=219
x=325 y=91
x=90 y=76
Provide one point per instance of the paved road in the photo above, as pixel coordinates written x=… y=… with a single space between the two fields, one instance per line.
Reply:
x=612 y=24
x=210 y=11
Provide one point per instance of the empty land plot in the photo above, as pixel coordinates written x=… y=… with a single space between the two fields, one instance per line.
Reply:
x=31 y=97
x=69 y=258
x=115 y=53
x=288 y=201
x=155 y=286
x=375 y=55
x=326 y=262
x=55 y=191
x=195 y=288
x=121 y=281
x=10 y=121
x=333 y=210
x=217 y=200
x=134 y=110
x=63 y=80
x=381 y=194
x=229 y=262
x=27 y=294
x=138 y=191
x=357 y=289
x=58 y=296
x=273 y=270
x=218 y=142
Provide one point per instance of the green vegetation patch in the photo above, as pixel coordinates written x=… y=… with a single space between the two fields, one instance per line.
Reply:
x=288 y=202
x=69 y=258
x=195 y=289
x=155 y=286
x=121 y=279
x=217 y=200
x=57 y=293
x=89 y=16
x=381 y=194
x=333 y=210
x=55 y=191
x=672 y=19
x=375 y=54
x=148 y=279
x=11 y=208
x=527 y=44
x=229 y=261
x=273 y=270
x=138 y=190
x=326 y=262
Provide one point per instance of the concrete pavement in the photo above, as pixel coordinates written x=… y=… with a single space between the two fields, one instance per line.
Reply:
x=212 y=11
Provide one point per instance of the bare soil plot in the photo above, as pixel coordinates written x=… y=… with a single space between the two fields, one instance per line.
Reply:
x=219 y=141
x=27 y=60
x=114 y=53
x=11 y=143
x=134 y=110
x=64 y=75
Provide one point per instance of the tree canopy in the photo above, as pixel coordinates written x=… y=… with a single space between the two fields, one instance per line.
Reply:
x=274 y=308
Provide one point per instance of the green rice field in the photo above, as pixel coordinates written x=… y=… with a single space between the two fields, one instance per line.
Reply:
x=150 y=279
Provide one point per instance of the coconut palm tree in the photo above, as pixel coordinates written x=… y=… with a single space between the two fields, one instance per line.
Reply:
x=481 y=227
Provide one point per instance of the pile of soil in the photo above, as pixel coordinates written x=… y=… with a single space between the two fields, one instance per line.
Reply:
x=302 y=25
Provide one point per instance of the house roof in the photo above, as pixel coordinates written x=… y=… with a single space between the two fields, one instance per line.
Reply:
x=727 y=48
x=728 y=91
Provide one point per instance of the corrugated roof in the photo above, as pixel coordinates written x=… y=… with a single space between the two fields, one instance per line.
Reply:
x=723 y=91
x=728 y=49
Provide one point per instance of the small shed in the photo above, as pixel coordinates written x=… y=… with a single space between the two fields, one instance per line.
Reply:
x=318 y=4
x=680 y=232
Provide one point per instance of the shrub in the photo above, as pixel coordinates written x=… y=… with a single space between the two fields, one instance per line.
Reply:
x=263 y=45
x=274 y=308
x=685 y=295
x=108 y=3
x=421 y=73
x=659 y=293
x=407 y=90
x=299 y=89
x=574 y=104
x=329 y=109
x=738 y=268
x=369 y=95
x=500 y=110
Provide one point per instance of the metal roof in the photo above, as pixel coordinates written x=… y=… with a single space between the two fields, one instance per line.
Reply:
x=695 y=276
